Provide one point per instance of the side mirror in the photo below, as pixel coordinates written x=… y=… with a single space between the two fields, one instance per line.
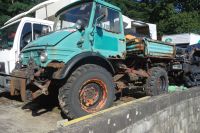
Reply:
x=103 y=13
x=27 y=41
x=45 y=30
x=80 y=25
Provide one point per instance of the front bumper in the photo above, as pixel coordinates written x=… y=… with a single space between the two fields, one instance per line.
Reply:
x=20 y=78
x=37 y=78
x=18 y=84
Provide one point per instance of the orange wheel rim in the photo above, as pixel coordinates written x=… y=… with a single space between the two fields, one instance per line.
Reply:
x=93 y=95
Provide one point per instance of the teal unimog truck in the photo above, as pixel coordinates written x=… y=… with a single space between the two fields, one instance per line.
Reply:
x=88 y=59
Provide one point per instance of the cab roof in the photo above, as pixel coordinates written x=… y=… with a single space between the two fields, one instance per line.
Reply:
x=102 y=2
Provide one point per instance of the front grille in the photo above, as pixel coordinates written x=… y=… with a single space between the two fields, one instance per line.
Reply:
x=2 y=67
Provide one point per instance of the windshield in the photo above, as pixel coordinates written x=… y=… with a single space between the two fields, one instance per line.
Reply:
x=69 y=18
x=7 y=36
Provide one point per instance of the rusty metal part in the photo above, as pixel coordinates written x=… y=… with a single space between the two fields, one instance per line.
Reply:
x=44 y=87
x=36 y=94
x=56 y=74
x=18 y=85
x=120 y=86
x=118 y=77
x=133 y=76
x=56 y=65
x=38 y=73
x=93 y=95
x=12 y=87
x=140 y=46
x=19 y=73
x=23 y=89
x=139 y=72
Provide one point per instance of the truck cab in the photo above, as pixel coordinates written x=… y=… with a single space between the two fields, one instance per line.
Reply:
x=14 y=37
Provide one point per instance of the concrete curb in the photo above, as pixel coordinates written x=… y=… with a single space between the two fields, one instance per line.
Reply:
x=119 y=118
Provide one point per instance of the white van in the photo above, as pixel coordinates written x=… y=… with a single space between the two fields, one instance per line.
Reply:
x=13 y=37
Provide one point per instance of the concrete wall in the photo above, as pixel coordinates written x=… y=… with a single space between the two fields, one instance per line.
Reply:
x=178 y=112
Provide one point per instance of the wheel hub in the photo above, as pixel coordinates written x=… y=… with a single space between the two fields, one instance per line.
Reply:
x=93 y=95
x=89 y=95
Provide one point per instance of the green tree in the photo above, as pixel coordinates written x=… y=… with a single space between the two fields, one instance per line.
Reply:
x=171 y=16
x=185 y=22
x=10 y=8
x=188 y=5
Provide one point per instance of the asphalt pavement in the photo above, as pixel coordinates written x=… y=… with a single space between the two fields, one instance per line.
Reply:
x=19 y=117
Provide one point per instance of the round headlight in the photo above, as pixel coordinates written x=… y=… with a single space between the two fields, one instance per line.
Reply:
x=43 y=56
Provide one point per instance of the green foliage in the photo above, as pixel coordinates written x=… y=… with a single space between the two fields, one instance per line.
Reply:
x=133 y=9
x=18 y=7
x=188 y=5
x=171 y=16
x=10 y=8
x=3 y=18
x=185 y=22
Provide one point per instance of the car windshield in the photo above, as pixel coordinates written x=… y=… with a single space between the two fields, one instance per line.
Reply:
x=7 y=36
x=69 y=18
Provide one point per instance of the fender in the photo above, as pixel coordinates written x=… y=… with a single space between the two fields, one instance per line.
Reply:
x=86 y=56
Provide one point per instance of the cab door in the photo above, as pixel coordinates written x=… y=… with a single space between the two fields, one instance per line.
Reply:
x=109 y=37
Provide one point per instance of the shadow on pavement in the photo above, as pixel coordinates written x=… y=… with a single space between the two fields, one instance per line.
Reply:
x=41 y=105
x=8 y=96
x=44 y=104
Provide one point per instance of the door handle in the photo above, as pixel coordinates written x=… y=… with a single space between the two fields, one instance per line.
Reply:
x=123 y=40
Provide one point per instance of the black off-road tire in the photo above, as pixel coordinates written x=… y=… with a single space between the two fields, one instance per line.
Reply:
x=79 y=84
x=157 y=83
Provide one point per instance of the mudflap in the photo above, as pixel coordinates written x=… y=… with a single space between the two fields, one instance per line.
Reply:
x=18 y=87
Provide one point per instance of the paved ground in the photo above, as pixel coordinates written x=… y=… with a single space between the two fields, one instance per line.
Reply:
x=38 y=118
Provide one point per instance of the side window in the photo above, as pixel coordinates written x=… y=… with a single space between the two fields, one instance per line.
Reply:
x=40 y=30
x=26 y=35
x=111 y=22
